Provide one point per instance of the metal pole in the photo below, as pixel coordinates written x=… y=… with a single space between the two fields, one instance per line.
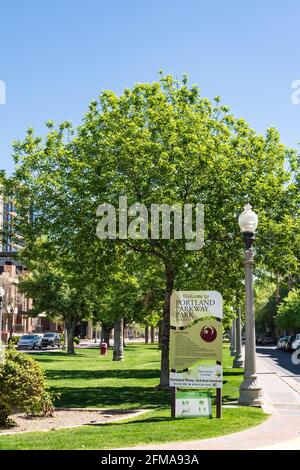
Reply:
x=238 y=360
x=173 y=402
x=250 y=390
x=219 y=403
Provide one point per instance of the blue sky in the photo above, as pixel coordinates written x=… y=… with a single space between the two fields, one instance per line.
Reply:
x=58 y=55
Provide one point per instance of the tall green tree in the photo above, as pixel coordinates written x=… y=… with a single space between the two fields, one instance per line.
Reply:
x=159 y=143
x=164 y=143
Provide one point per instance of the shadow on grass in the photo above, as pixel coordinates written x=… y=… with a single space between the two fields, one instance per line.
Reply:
x=228 y=399
x=142 y=420
x=56 y=374
x=111 y=397
x=52 y=353
x=155 y=419
x=51 y=357
x=128 y=347
x=119 y=397
x=236 y=372
x=103 y=374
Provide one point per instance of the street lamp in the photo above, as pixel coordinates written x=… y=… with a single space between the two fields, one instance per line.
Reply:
x=2 y=294
x=250 y=390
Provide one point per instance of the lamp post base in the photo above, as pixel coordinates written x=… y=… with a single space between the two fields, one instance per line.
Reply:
x=238 y=362
x=251 y=393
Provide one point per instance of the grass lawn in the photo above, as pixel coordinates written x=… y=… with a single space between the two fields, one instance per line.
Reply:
x=88 y=380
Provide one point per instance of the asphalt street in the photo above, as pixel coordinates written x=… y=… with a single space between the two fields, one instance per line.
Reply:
x=280 y=360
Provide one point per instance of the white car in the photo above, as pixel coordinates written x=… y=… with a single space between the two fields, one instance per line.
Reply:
x=29 y=342
x=281 y=342
x=296 y=343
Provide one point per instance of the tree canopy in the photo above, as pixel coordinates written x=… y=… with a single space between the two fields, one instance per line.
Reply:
x=159 y=143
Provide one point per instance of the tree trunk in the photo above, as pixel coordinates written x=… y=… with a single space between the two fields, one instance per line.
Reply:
x=146 y=334
x=159 y=334
x=70 y=327
x=152 y=334
x=118 y=354
x=277 y=293
x=64 y=347
x=165 y=333
x=124 y=334
x=11 y=326
x=105 y=334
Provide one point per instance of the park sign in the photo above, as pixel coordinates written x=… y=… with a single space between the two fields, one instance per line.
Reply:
x=196 y=339
x=193 y=404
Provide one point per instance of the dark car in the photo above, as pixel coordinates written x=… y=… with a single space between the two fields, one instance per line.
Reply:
x=267 y=340
x=51 y=339
x=288 y=344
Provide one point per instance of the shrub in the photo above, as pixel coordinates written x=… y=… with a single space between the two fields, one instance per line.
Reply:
x=14 y=340
x=22 y=387
x=76 y=340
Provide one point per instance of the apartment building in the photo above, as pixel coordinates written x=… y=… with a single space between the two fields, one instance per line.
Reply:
x=15 y=318
x=9 y=240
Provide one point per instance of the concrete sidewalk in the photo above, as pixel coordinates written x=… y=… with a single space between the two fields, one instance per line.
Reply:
x=281 y=392
x=280 y=431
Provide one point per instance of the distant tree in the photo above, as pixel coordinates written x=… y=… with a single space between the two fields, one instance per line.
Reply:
x=266 y=302
x=56 y=290
x=288 y=316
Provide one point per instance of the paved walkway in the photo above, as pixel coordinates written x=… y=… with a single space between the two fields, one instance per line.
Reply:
x=280 y=431
x=281 y=390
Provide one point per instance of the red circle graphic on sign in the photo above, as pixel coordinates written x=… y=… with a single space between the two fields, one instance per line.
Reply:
x=208 y=334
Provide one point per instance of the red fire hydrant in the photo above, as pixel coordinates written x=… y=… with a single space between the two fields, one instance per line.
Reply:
x=103 y=349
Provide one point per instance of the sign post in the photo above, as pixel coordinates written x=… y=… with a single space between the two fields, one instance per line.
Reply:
x=196 y=346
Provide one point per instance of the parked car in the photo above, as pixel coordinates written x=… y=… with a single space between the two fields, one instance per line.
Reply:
x=29 y=342
x=296 y=343
x=267 y=340
x=281 y=341
x=51 y=339
x=288 y=343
